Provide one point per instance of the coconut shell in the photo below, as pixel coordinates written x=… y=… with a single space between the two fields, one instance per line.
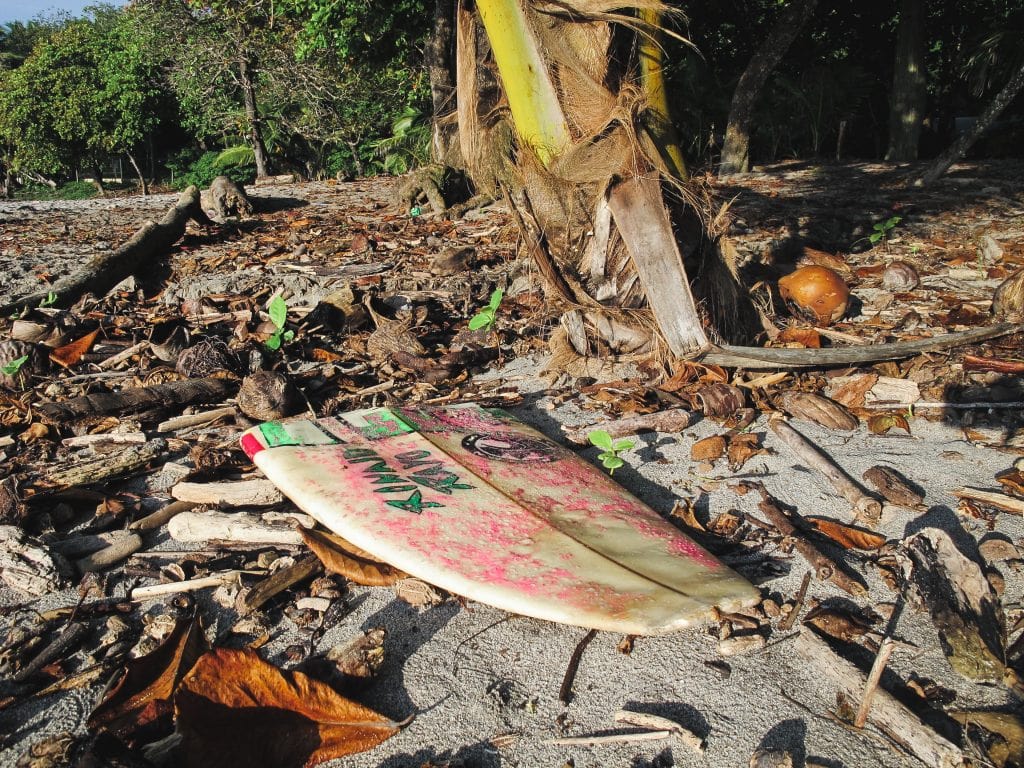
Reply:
x=814 y=293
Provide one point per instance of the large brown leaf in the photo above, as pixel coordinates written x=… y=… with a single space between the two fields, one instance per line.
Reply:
x=235 y=709
x=846 y=536
x=142 y=697
x=70 y=354
x=341 y=557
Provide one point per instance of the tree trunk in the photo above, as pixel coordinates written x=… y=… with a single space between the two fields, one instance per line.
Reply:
x=97 y=180
x=439 y=57
x=959 y=147
x=259 y=149
x=138 y=172
x=736 y=152
x=906 y=108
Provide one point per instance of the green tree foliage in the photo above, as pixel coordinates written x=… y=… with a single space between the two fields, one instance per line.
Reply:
x=85 y=91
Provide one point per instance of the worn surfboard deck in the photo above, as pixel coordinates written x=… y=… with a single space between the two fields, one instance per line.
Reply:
x=475 y=502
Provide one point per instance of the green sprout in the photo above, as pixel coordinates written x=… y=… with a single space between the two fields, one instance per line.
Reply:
x=484 y=319
x=610 y=455
x=883 y=228
x=49 y=301
x=14 y=366
x=278 y=311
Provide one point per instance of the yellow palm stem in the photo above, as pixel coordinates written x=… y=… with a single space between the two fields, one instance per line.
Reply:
x=652 y=80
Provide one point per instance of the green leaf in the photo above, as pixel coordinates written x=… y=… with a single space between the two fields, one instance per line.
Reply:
x=288 y=335
x=14 y=366
x=496 y=298
x=613 y=463
x=875 y=237
x=274 y=342
x=893 y=222
x=623 y=445
x=51 y=298
x=278 y=310
x=482 y=319
x=601 y=439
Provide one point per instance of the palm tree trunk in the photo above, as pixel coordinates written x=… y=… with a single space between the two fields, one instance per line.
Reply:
x=736 y=151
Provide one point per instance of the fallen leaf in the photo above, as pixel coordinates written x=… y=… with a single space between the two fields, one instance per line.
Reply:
x=851 y=390
x=1012 y=481
x=35 y=431
x=847 y=536
x=142 y=698
x=805 y=337
x=341 y=557
x=235 y=709
x=71 y=353
x=837 y=623
x=708 y=449
x=683 y=510
x=881 y=423
x=744 y=447
x=418 y=593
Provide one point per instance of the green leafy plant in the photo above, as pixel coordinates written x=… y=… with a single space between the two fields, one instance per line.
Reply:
x=610 y=449
x=883 y=228
x=14 y=366
x=278 y=311
x=49 y=301
x=485 y=318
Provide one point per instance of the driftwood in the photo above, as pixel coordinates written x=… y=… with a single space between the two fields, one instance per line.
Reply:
x=100 y=468
x=124 y=547
x=865 y=507
x=154 y=591
x=824 y=566
x=135 y=399
x=759 y=358
x=105 y=271
x=276 y=583
x=195 y=419
x=231 y=526
x=874 y=676
x=671 y=420
x=886 y=713
x=1000 y=501
x=243 y=493
x=156 y=519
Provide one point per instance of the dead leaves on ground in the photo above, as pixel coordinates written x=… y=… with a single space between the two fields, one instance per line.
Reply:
x=341 y=557
x=234 y=709
x=230 y=707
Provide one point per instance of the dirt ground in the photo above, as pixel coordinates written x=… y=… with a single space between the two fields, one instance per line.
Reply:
x=484 y=685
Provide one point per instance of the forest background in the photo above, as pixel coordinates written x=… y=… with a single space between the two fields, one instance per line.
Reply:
x=179 y=91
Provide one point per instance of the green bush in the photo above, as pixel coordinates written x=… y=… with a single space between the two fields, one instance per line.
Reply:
x=190 y=168
x=73 y=190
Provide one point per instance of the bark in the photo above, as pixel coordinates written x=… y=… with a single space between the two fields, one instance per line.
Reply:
x=138 y=172
x=908 y=84
x=97 y=180
x=439 y=57
x=252 y=115
x=103 y=272
x=959 y=147
x=736 y=152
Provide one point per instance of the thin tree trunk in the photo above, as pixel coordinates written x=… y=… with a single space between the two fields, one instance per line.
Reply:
x=97 y=180
x=908 y=84
x=439 y=57
x=259 y=149
x=736 y=152
x=357 y=161
x=139 y=173
x=959 y=147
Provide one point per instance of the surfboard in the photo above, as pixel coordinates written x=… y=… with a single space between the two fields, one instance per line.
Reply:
x=475 y=502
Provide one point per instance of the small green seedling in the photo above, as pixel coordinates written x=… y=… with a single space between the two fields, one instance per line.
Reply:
x=485 y=318
x=610 y=455
x=49 y=301
x=883 y=228
x=14 y=366
x=278 y=311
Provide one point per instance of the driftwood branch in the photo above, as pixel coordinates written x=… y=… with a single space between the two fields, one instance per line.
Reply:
x=760 y=358
x=105 y=271
x=886 y=713
x=998 y=500
x=865 y=507
x=137 y=399
x=824 y=566
x=105 y=467
x=671 y=420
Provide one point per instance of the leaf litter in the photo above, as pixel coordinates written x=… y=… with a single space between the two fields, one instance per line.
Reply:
x=360 y=315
